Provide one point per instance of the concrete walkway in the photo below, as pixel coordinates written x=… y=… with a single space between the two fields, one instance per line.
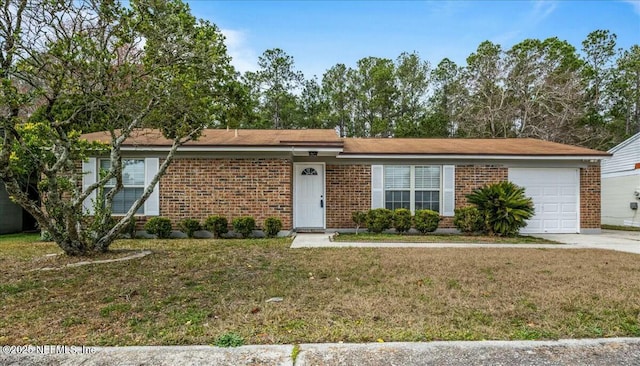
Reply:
x=613 y=351
x=624 y=241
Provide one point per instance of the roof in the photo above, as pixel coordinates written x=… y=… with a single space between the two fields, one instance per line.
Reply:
x=456 y=146
x=351 y=147
x=624 y=143
x=230 y=138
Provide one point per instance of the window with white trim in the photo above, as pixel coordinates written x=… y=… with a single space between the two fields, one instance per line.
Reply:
x=133 y=171
x=414 y=187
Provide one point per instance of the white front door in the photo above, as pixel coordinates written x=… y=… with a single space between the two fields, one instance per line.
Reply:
x=309 y=195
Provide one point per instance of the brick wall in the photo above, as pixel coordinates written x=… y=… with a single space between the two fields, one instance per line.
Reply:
x=590 y=197
x=348 y=189
x=470 y=177
x=198 y=188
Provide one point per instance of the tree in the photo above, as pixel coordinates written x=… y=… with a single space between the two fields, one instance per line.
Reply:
x=626 y=92
x=337 y=91
x=375 y=95
x=313 y=105
x=274 y=84
x=599 y=50
x=545 y=91
x=447 y=92
x=71 y=66
x=412 y=83
x=485 y=110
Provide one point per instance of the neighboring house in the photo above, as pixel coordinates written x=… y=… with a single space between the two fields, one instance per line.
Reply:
x=621 y=184
x=314 y=180
x=10 y=214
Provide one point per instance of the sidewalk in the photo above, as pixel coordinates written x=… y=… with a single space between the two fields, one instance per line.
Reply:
x=614 y=351
x=610 y=240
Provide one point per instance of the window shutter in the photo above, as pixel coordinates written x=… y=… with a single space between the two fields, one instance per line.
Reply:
x=152 y=205
x=377 y=187
x=89 y=176
x=448 y=190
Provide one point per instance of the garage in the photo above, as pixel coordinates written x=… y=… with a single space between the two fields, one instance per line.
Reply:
x=556 y=196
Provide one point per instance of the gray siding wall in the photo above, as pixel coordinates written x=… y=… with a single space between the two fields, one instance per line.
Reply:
x=10 y=214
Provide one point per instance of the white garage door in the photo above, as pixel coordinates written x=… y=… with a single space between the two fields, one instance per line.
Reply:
x=555 y=193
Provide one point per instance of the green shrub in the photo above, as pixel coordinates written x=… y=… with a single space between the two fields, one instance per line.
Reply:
x=244 y=225
x=230 y=340
x=189 y=227
x=402 y=220
x=379 y=220
x=217 y=225
x=272 y=225
x=359 y=218
x=468 y=220
x=503 y=206
x=426 y=221
x=159 y=226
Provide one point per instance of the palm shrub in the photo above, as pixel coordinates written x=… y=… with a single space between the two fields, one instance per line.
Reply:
x=159 y=226
x=244 y=225
x=468 y=220
x=217 y=225
x=189 y=227
x=401 y=220
x=379 y=220
x=426 y=221
x=359 y=218
x=503 y=206
x=272 y=226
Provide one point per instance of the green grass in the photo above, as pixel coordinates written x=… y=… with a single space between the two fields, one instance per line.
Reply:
x=439 y=238
x=214 y=292
x=620 y=227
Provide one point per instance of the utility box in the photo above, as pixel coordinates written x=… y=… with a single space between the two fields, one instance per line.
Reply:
x=633 y=205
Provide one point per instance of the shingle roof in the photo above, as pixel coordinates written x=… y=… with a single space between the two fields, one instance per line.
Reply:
x=217 y=137
x=508 y=146
x=360 y=146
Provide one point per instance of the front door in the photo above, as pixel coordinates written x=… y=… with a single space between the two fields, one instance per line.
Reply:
x=309 y=196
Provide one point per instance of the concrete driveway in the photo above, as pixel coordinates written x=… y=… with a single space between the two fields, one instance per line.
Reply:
x=623 y=241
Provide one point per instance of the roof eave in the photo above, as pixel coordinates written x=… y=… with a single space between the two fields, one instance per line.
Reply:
x=471 y=156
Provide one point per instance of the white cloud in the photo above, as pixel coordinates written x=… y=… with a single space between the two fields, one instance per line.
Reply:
x=243 y=57
x=635 y=4
x=541 y=10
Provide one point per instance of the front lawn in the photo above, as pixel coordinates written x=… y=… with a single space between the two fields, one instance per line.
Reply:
x=439 y=238
x=194 y=291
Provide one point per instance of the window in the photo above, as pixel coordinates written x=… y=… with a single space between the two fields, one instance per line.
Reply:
x=309 y=171
x=412 y=187
x=133 y=171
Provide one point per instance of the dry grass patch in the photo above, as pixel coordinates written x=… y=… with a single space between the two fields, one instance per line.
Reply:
x=193 y=291
x=439 y=238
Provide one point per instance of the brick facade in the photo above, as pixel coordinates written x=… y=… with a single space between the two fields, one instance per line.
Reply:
x=199 y=188
x=470 y=177
x=590 y=197
x=348 y=189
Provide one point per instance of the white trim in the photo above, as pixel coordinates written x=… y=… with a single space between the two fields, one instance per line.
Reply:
x=89 y=176
x=377 y=186
x=324 y=191
x=152 y=203
x=448 y=190
x=476 y=157
x=624 y=143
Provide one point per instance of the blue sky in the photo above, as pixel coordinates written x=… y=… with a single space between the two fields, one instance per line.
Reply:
x=320 y=34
